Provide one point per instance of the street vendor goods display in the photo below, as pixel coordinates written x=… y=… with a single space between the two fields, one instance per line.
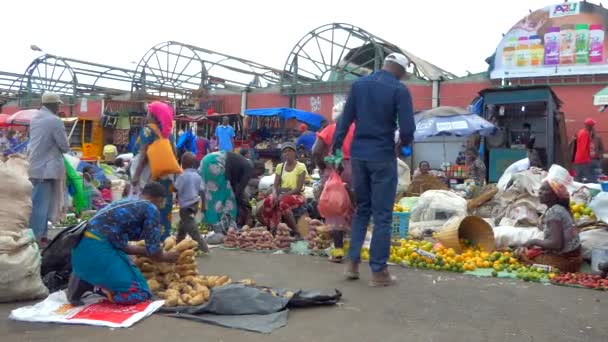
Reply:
x=589 y=281
x=318 y=237
x=179 y=284
x=259 y=238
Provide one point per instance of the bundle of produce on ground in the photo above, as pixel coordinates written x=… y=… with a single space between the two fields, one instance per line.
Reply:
x=259 y=238
x=423 y=254
x=318 y=237
x=589 y=281
x=283 y=238
x=397 y=208
x=179 y=284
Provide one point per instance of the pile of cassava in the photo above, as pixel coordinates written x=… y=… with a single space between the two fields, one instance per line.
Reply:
x=179 y=284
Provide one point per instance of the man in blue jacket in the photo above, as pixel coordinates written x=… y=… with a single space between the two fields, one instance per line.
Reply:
x=376 y=103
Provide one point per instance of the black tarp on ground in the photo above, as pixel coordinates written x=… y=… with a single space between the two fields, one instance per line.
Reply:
x=252 y=308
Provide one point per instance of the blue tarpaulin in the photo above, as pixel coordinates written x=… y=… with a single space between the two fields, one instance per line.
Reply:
x=313 y=120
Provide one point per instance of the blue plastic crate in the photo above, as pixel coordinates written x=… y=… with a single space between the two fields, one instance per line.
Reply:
x=401 y=223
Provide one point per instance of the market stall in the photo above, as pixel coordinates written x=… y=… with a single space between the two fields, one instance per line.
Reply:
x=446 y=130
x=524 y=116
x=271 y=127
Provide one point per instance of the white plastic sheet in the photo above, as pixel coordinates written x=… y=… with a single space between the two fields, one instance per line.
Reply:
x=96 y=311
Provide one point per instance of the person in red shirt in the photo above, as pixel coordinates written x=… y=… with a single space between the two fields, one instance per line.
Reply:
x=320 y=150
x=582 y=152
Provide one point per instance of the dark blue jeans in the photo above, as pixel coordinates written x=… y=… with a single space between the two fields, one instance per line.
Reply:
x=42 y=203
x=375 y=184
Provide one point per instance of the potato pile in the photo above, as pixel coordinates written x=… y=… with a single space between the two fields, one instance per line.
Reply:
x=318 y=236
x=231 y=239
x=256 y=238
x=283 y=238
x=179 y=284
x=259 y=238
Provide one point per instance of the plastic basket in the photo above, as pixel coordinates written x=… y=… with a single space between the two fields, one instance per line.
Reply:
x=401 y=222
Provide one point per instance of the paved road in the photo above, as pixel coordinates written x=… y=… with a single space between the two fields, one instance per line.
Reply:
x=426 y=306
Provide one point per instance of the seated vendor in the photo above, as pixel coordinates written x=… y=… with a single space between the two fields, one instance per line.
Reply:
x=424 y=169
x=91 y=186
x=287 y=190
x=477 y=168
x=100 y=261
x=561 y=246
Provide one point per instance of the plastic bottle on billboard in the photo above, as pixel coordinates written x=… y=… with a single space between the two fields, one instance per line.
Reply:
x=537 y=51
x=523 y=52
x=508 y=53
x=582 y=43
x=552 y=38
x=596 y=42
x=566 y=44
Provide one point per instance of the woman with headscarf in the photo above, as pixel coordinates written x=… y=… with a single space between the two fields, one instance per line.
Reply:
x=561 y=246
x=159 y=125
x=226 y=175
x=321 y=149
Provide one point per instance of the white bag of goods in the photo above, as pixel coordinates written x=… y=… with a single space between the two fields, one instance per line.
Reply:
x=599 y=205
x=20 y=267
x=507 y=236
x=266 y=183
x=404 y=176
x=590 y=239
x=16 y=194
x=438 y=205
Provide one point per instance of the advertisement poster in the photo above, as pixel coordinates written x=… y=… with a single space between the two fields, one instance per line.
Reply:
x=562 y=39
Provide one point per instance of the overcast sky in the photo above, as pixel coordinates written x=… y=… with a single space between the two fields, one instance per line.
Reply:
x=455 y=35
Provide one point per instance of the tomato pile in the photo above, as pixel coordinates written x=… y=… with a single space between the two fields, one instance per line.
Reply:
x=589 y=281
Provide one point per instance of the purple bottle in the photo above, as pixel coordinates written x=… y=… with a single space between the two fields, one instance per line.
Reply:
x=552 y=38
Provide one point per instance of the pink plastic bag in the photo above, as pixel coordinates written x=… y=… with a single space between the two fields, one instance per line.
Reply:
x=334 y=200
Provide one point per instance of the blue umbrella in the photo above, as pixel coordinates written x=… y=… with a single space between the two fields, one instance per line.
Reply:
x=460 y=125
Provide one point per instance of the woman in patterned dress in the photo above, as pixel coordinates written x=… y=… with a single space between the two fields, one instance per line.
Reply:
x=100 y=261
x=161 y=115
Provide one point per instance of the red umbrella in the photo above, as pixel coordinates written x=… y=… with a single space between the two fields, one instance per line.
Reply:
x=21 y=118
x=3 y=118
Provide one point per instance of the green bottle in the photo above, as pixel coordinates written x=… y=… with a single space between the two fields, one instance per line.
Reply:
x=582 y=43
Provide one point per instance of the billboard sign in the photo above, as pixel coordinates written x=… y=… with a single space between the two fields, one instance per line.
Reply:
x=562 y=39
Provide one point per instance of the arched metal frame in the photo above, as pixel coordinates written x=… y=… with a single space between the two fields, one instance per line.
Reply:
x=177 y=70
x=342 y=52
x=71 y=77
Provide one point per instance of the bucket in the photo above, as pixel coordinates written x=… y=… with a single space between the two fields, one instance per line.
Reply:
x=472 y=228
x=598 y=255
x=604 y=185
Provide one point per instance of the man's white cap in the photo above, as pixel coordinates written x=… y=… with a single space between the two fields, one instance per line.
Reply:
x=50 y=98
x=399 y=59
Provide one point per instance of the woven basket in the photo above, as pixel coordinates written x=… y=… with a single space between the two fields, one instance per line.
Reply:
x=472 y=228
x=564 y=264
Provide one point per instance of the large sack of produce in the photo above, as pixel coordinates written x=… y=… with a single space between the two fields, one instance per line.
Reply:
x=508 y=236
x=439 y=205
x=596 y=238
x=16 y=194
x=20 y=267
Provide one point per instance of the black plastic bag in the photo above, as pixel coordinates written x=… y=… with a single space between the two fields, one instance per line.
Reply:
x=57 y=256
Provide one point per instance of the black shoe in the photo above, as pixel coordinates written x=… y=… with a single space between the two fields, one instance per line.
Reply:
x=76 y=288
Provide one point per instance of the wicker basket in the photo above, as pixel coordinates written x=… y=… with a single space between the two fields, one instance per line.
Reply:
x=472 y=228
x=563 y=263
